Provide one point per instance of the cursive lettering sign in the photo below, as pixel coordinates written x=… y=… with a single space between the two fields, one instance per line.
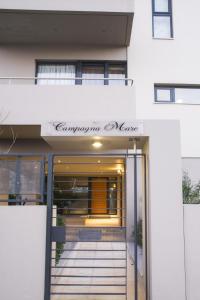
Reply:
x=107 y=128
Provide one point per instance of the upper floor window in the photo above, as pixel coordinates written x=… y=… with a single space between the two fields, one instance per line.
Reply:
x=83 y=73
x=162 y=19
x=177 y=94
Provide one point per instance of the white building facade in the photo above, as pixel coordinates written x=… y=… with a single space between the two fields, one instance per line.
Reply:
x=99 y=155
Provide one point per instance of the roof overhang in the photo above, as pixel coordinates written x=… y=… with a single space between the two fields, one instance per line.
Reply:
x=65 y=27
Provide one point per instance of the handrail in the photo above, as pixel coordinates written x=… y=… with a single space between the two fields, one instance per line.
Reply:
x=10 y=80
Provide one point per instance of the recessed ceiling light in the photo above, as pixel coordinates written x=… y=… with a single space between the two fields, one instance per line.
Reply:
x=99 y=161
x=97 y=144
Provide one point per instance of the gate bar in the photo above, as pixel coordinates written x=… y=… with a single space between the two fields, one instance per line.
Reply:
x=48 y=231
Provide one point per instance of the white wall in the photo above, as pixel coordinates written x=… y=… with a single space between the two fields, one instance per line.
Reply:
x=34 y=105
x=22 y=252
x=192 y=250
x=149 y=61
x=173 y=61
x=165 y=212
x=21 y=60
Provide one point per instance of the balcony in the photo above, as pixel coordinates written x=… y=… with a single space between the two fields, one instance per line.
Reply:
x=76 y=22
x=25 y=103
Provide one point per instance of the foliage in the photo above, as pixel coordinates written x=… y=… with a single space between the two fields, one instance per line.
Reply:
x=191 y=192
x=139 y=234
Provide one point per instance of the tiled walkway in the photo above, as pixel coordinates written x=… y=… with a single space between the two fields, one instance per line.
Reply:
x=99 y=263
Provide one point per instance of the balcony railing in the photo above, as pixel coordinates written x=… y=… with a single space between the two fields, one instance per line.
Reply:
x=66 y=81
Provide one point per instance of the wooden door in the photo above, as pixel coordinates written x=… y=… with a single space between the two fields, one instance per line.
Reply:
x=99 y=196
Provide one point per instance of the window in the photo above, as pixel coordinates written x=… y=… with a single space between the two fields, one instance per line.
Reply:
x=55 y=74
x=177 y=94
x=22 y=180
x=162 y=19
x=81 y=72
x=92 y=71
x=79 y=197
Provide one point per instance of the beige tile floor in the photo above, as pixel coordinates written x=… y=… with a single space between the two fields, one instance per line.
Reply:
x=91 y=271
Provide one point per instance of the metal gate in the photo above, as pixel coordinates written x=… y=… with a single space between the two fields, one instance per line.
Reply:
x=87 y=244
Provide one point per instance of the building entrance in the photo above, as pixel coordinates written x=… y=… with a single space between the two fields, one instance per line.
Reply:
x=95 y=246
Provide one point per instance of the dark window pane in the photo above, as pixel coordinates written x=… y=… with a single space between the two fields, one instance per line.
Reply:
x=93 y=74
x=117 y=72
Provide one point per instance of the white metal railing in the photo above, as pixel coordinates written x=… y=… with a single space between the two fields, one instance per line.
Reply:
x=76 y=80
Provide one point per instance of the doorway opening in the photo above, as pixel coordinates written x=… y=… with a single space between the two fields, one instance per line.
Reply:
x=96 y=217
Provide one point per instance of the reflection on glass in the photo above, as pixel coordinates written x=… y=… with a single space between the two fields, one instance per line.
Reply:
x=161 y=5
x=136 y=228
x=30 y=178
x=116 y=72
x=92 y=72
x=71 y=195
x=86 y=195
x=21 y=180
x=8 y=177
x=163 y=95
x=112 y=196
x=162 y=27
x=187 y=95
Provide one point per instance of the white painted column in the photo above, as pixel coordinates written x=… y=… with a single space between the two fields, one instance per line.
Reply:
x=165 y=211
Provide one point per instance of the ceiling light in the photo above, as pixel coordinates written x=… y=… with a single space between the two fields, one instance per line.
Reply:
x=97 y=145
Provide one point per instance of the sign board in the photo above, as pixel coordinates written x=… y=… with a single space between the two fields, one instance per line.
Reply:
x=92 y=128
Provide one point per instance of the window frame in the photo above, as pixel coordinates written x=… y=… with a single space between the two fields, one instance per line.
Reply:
x=172 y=89
x=162 y=87
x=169 y=14
x=78 y=67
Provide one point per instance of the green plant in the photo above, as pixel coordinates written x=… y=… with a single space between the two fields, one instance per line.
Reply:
x=59 y=246
x=191 y=192
x=139 y=234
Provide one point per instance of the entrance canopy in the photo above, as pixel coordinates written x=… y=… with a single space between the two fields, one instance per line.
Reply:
x=29 y=138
